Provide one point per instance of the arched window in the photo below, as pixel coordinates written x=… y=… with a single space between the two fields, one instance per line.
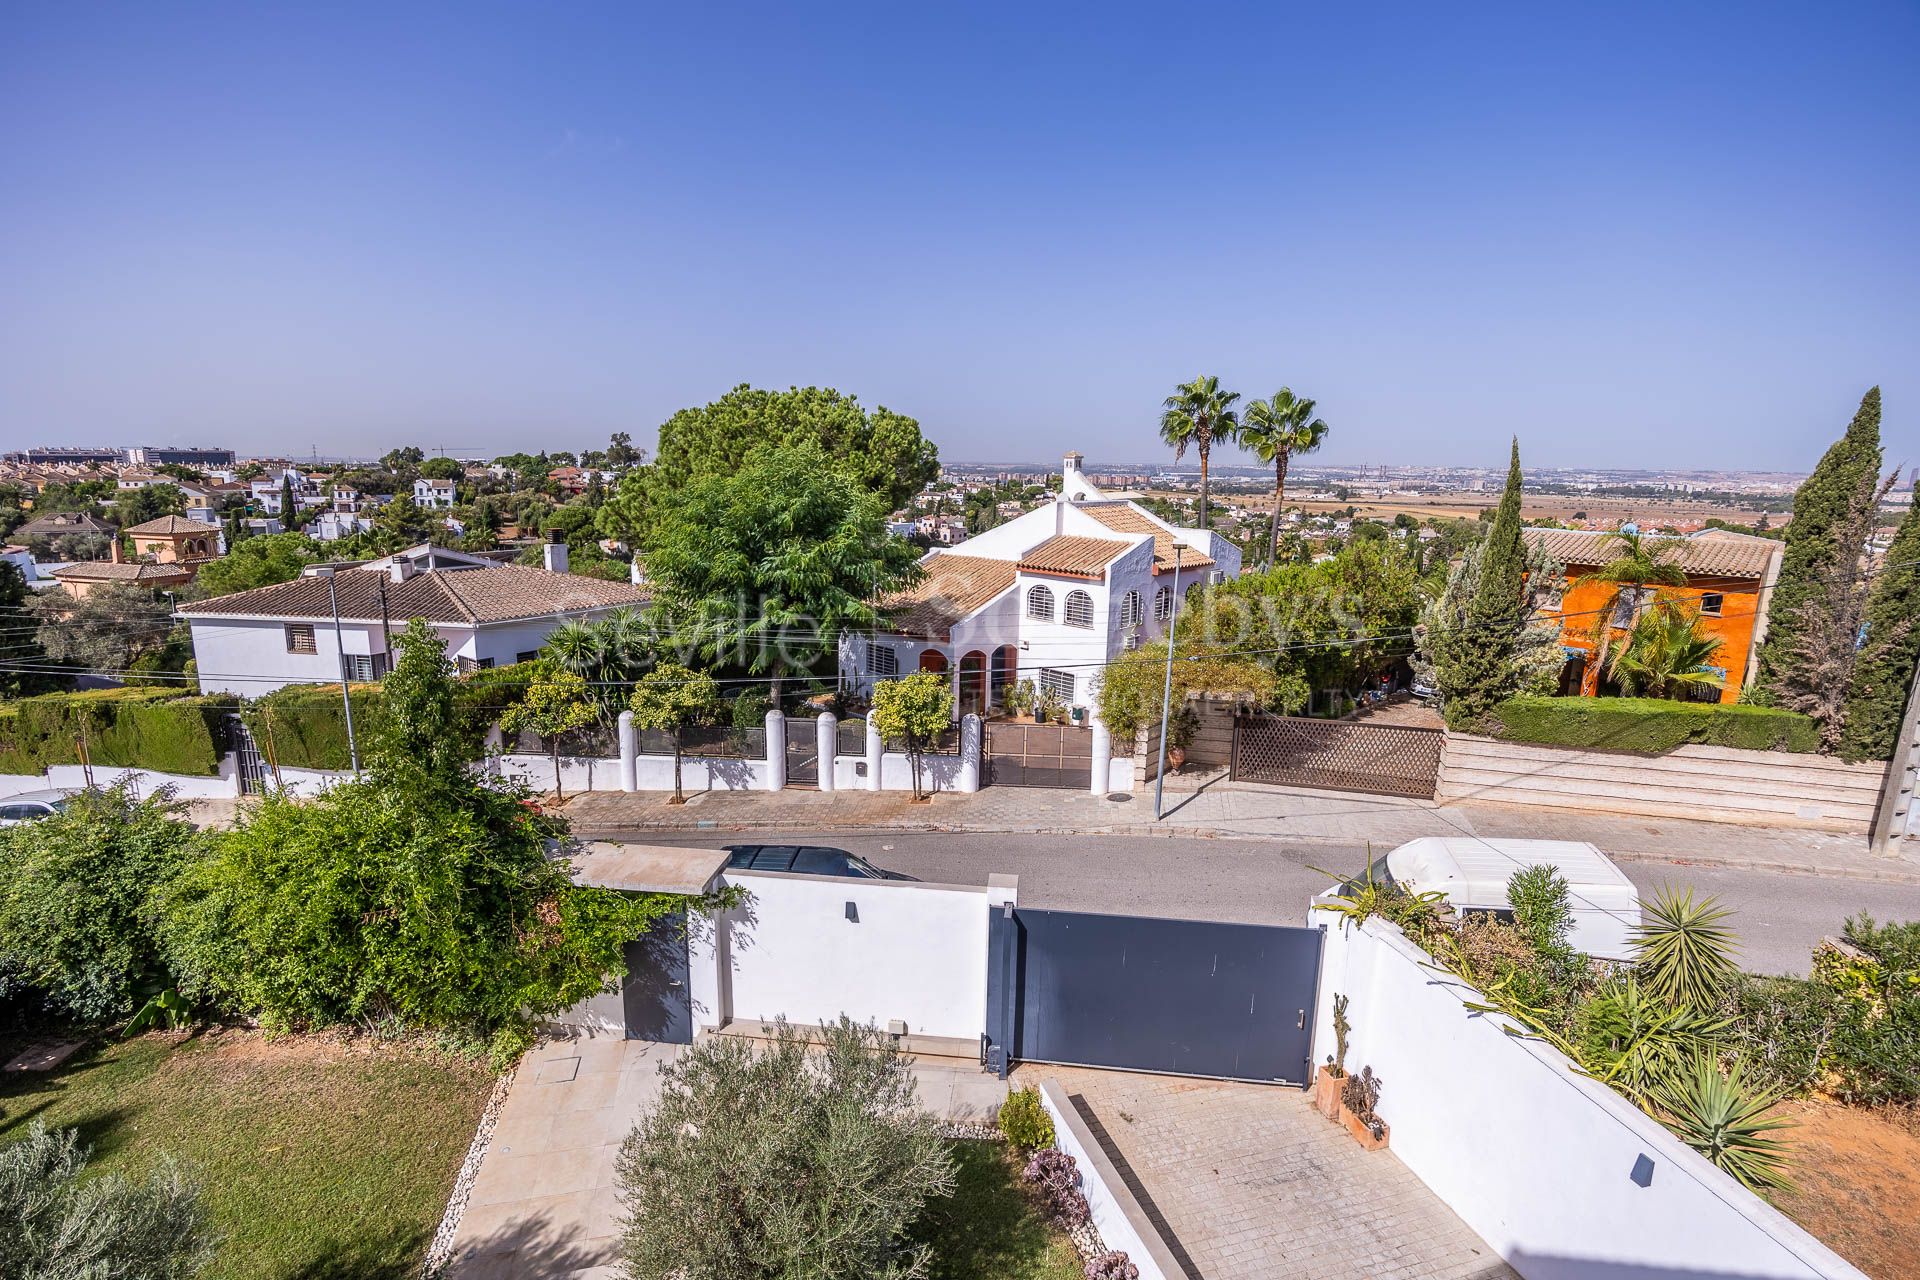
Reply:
x=1130 y=609
x=1187 y=595
x=1162 y=604
x=1040 y=604
x=1079 y=610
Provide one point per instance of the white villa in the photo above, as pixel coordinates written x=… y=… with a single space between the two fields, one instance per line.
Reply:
x=488 y=614
x=1050 y=596
x=433 y=495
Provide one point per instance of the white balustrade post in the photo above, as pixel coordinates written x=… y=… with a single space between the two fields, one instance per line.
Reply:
x=876 y=749
x=629 y=754
x=1102 y=779
x=971 y=734
x=776 y=751
x=827 y=740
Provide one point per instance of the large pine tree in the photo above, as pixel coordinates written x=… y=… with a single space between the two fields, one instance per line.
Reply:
x=1883 y=673
x=1475 y=654
x=1818 y=550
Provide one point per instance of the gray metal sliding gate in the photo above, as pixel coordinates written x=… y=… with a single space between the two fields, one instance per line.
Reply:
x=1184 y=997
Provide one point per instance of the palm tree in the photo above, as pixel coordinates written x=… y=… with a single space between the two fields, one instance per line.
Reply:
x=1641 y=562
x=1275 y=430
x=1666 y=655
x=610 y=653
x=1199 y=413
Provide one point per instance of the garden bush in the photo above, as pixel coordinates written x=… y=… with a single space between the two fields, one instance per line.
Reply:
x=783 y=1160
x=1652 y=726
x=55 y=1226
x=1025 y=1122
x=1054 y=1178
x=149 y=728
x=304 y=726
x=75 y=926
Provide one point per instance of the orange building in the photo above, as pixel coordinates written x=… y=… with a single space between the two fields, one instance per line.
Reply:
x=1730 y=579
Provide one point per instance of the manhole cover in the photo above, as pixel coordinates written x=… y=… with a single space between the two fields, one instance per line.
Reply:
x=1120 y=797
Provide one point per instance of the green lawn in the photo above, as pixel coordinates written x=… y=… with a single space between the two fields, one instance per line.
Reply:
x=322 y=1159
x=989 y=1230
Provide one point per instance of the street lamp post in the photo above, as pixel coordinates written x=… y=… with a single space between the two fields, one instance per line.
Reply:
x=1166 y=693
x=340 y=652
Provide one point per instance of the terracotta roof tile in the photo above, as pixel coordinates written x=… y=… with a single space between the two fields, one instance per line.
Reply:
x=1124 y=517
x=954 y=587
x=168 y=525
x=1068 y=554
x=500 y=594
x=115 y=571
x=1697 y=557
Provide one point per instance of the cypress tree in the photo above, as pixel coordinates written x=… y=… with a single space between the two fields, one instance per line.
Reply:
x=1883 y=674
x=1824 y=508
x=286 y=500
x=1475 y=655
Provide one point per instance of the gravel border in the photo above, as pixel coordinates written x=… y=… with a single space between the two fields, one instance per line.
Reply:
x=440 y=1252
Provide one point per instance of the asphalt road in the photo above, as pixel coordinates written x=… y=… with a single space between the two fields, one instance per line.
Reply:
x=1779 y=917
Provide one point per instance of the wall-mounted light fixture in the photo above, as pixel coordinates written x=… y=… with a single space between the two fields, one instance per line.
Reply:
x=1643 y=1171
x=853 y=914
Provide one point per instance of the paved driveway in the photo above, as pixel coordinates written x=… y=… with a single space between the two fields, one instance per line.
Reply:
x=1248 y=1181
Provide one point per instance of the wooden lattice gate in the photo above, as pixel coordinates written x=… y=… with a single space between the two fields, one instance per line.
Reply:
x=1338 y=755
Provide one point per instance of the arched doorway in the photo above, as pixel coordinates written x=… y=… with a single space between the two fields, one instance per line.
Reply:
x=933 y=660
x=973 y=683
x=1005 y=670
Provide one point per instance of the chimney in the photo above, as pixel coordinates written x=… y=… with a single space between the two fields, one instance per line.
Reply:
x=401 y=569
x=113 y=547
x=554 y=556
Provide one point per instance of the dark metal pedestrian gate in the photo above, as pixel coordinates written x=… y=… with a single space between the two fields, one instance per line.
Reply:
x=1183 y=997
x=1038 y=755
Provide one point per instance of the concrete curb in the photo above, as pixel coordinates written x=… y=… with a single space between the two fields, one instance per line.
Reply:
x=1893 y=874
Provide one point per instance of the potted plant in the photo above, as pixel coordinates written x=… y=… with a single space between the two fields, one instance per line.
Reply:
x=1357 y=1101
x=1181 y=727
x=1018 y=699
x=1332 y=1078
x=1046 y=706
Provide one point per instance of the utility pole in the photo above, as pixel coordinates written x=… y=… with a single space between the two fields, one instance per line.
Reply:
x=1166 y=692
x=340 y=652
x=1894 y=818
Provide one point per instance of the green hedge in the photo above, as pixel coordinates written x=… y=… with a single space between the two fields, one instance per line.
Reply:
x=165 y=730
x=1653 y=726
x=304 y=726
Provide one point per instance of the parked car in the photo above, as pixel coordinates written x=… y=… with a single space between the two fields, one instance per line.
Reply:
x=29 y=806
x=1472 y=872
x=805 y=860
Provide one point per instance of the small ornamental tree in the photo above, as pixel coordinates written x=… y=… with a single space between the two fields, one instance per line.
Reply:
x=556 y=703
x=915 y=709
x=783 y=1160
x=670 y=698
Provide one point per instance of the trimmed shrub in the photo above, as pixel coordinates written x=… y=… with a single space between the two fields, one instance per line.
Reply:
x=159 y=729
x=1025 y=1122
x=303 y=726
x=1652 y=726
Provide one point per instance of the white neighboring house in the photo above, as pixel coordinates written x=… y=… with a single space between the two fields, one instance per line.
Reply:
x=331 y=526
x=433 y=495
x=264 y=492
x=489 y=614
x=1050 y=596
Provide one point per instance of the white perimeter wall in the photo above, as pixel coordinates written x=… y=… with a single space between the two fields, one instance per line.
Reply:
x=1538 y=1160
x=917 y=952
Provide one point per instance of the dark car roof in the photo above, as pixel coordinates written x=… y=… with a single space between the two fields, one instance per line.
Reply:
x=800 y=859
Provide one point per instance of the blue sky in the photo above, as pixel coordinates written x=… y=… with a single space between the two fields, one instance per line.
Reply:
x=1663 y=235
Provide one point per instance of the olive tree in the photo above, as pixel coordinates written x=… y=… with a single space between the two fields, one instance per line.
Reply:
x=787 y=1160
x=55 y=1226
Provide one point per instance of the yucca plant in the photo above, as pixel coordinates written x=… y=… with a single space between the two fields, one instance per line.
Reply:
x=1684 y=951
x=1725 y=1119
x=1632 y=1041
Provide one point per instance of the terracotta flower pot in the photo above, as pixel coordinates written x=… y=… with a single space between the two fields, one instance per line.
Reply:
x=1326 y=1093
x=1177 y=758
x=1363 y=1135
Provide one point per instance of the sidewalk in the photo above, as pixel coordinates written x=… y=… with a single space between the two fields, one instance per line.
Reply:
x=1240 y=811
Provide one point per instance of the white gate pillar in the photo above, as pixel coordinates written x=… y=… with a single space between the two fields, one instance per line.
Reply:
x=971 y=733
x=875 y=753
x=776 y=751
x=629 y=754
x=826 y=738
x=1102 y=780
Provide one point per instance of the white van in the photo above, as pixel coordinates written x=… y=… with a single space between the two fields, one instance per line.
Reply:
x=1472 y=872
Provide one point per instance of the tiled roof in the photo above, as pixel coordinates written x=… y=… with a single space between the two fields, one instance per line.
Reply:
x=1124 y=517
x=59 y=522
x=1697 y=557
x=168 y=525
x=954 y=587
x=500 y=594
x=115 y=571
x=1080 y=557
